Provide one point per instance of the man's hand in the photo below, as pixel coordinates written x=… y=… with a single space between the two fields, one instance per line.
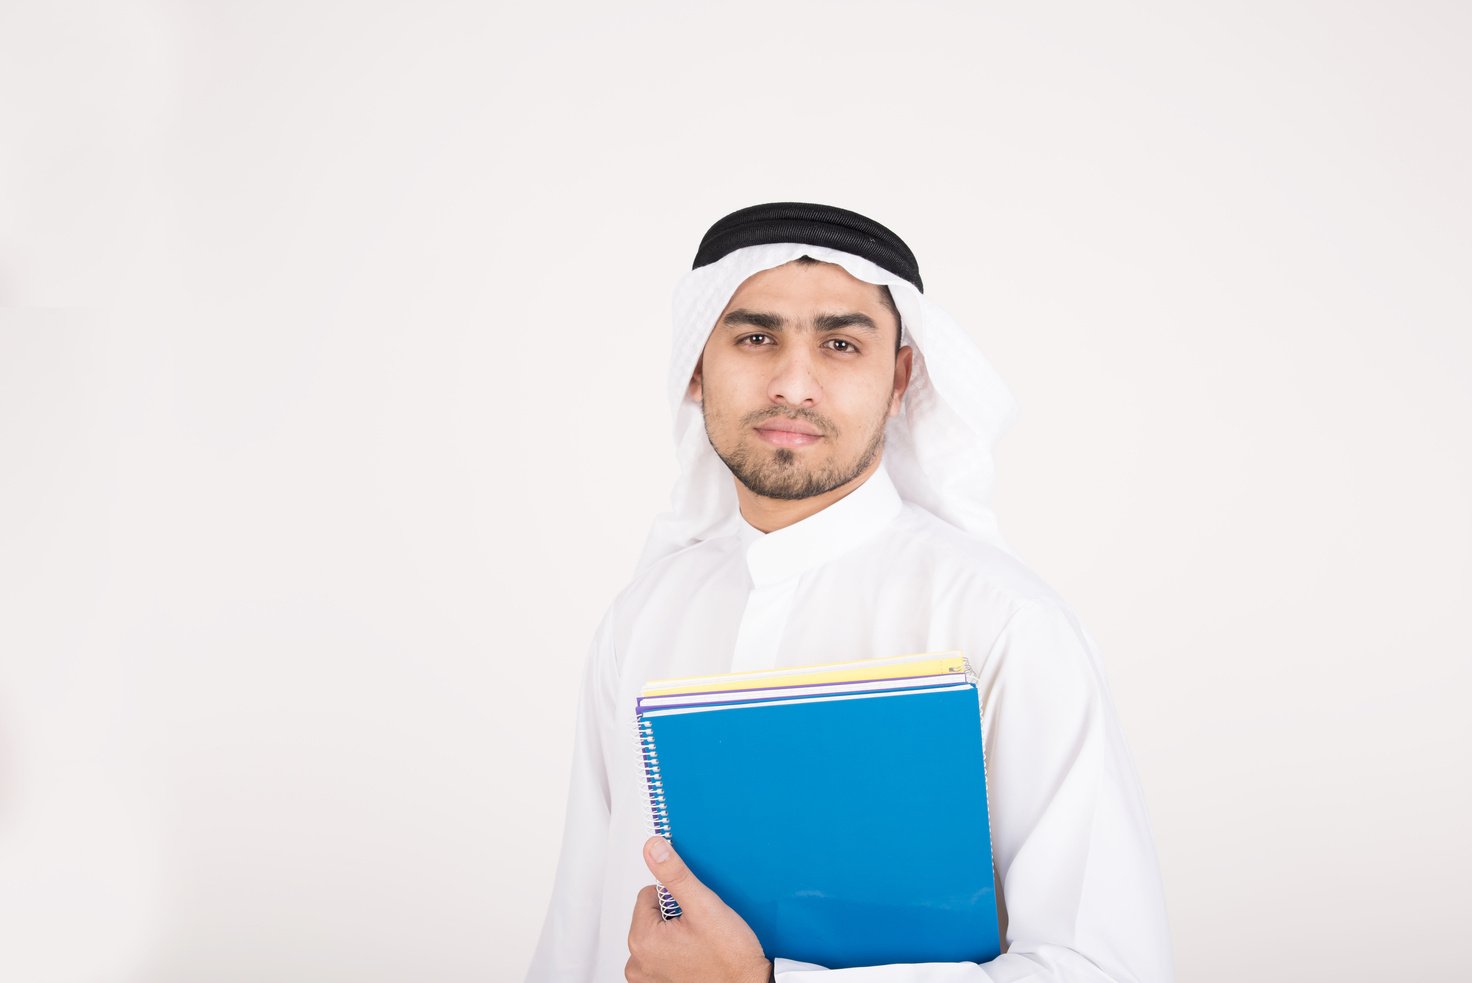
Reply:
x=709 y=943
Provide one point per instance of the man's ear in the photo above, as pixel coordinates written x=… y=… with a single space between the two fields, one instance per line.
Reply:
x=903 y=363
x=696 y=390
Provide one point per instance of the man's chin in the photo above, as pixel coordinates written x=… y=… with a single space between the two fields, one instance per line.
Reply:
x=789 y=483
x=790 y=474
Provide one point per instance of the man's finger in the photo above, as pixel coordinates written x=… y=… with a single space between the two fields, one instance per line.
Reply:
x=667 y=867
x=646 y=912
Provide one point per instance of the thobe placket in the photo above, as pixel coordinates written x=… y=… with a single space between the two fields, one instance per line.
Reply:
x=777 y=560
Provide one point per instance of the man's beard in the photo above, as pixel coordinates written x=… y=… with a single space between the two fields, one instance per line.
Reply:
x=782 y=476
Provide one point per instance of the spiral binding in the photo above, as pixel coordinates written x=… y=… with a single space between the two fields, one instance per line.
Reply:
x=658 y=821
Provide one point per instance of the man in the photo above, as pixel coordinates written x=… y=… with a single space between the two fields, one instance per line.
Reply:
x=830 y=507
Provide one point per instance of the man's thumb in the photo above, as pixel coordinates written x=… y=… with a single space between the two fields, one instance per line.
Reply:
x=667 y=867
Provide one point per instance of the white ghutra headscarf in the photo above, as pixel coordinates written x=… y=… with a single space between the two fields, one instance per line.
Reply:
x=938 y=450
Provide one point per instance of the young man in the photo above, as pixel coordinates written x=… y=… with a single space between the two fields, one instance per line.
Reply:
x=834 y=431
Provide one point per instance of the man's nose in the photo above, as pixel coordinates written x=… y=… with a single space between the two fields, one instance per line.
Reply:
x=795 y=380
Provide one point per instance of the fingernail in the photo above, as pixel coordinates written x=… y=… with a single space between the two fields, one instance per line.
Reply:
x=660 y=852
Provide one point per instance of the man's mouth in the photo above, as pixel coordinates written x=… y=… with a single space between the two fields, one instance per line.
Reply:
x=789 y=433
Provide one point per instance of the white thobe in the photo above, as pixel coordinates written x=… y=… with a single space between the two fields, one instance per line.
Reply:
x=1078 y=885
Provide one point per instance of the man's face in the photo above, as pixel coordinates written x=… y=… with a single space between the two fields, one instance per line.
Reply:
x=798 y=379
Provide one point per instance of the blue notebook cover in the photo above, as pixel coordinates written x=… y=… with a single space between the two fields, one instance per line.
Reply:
x=846 y=831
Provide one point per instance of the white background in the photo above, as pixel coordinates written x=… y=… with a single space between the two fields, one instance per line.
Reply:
x=331 y=418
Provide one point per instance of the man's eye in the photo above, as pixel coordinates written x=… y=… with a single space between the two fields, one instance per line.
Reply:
x=839 y=345
x=756 y=339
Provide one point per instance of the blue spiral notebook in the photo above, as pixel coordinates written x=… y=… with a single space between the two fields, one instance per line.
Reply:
x=845 y=822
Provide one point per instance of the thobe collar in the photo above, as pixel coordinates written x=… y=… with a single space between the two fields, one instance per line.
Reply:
x=822 y=536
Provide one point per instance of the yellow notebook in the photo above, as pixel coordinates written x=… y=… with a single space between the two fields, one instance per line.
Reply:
x=897 y=667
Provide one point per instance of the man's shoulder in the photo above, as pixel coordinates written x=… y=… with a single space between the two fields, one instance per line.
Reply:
x=965 y=560
x=987 y=585
x=684 y=569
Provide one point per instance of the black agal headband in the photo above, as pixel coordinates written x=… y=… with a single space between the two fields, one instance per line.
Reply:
x=810 y=225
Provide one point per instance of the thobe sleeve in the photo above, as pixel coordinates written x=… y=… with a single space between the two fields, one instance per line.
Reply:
x=567 y=949
x=1080 y=884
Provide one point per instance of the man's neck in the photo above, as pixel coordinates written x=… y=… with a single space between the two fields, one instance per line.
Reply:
x=771 y=514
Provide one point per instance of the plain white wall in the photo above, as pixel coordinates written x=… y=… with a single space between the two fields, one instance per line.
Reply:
x=331 y=418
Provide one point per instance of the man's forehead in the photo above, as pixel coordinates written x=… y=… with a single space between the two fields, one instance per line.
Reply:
x=807 y=282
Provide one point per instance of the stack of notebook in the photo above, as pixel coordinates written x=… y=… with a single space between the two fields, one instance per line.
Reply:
x=840 y=810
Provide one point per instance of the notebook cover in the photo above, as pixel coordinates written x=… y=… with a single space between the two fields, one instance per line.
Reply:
x=845 y=831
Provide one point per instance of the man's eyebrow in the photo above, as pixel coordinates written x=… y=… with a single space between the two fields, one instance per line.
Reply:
x=854 y=319
x=741 y=317
x=766 y=321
